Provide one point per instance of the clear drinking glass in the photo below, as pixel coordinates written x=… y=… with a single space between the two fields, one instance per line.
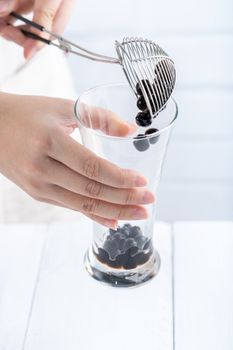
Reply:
x=127 y=256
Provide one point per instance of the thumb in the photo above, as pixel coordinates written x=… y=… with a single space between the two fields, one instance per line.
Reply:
x=44 y=13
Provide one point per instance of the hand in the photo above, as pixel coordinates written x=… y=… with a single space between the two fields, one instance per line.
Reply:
x=52 y=14
x=38 y=154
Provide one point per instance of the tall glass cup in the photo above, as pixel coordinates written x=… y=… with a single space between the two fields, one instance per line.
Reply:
x=126 y=256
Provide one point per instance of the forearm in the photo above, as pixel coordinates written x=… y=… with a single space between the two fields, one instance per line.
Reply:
x=6 y=100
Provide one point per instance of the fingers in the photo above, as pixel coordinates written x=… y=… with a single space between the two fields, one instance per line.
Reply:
x=52 y=14
x=6 y=6
x=90 y=206
x=3 y=24
x=105 y=120
x=13 y=34
x=103 y=221
x=62 y=16
x=44 y=13
x=75 y=156
x=74 y=182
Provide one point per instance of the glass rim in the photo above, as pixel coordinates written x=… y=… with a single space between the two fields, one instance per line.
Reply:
x=93 y=131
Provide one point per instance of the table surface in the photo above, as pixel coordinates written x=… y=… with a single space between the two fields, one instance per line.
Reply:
x=48 y=301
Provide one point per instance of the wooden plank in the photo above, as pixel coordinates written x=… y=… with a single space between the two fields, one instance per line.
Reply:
x=73 y=311
x=195 y=200
x=20 y=253
x=203 y=286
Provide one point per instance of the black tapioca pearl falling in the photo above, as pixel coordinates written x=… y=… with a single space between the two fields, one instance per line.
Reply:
x=143 y=118
x=141 y=143
x=155 y=139
x=153 y=101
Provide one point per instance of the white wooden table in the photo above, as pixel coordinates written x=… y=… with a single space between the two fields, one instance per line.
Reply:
x=48 y=301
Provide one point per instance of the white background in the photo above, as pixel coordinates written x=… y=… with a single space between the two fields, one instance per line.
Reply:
x=197 y=181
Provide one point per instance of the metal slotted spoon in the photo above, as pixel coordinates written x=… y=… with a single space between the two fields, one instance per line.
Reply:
x=149 y=71
x=148 y=68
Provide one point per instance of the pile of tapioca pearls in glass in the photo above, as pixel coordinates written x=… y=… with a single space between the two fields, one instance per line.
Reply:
x=125 y=248
x=144 y=118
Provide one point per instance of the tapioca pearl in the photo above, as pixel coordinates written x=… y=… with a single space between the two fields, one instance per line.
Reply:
x=147 y=85
x=112 y=232
x=143 y=118
x=154 y=139
x=129 y=242
x=119 y=235
x=112 y=248
x=120 y=240
x=116 y=264
x=141 y=103
x=120 y=260
x=132 y=251
x=135 y=231
x=130 y=263
x=128 y=226
x=141 y=144
x=140 y=241
x=109 y=238
x=161 y=73
x=125 y=230
x=102 y=255
x=142 y=258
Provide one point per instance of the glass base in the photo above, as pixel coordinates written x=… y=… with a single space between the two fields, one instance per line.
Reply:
x=122 y=277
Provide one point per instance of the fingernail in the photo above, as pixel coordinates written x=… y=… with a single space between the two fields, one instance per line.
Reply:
x=141 y=181
x=111 y=224
x=140 y=213
x=4 y=7
x=148 y=197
